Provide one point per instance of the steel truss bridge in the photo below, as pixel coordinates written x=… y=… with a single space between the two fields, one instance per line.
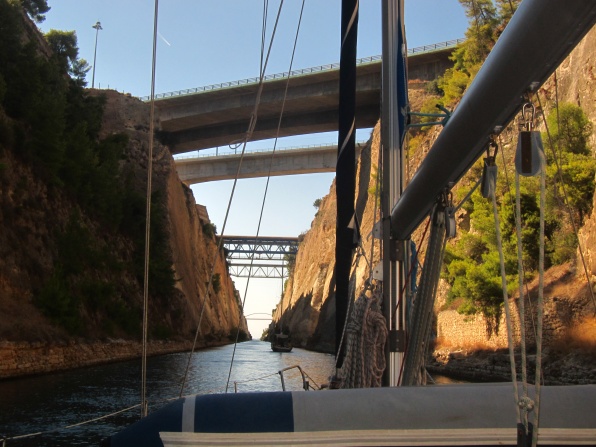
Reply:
x=269 y=255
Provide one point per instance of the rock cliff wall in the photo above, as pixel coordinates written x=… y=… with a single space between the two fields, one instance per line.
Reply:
x=33 y=214
x=193 y=247
x=307 y=308
x=307 y=305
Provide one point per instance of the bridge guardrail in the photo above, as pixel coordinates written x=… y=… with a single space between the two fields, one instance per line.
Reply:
x=256 y=151
x=327 y=67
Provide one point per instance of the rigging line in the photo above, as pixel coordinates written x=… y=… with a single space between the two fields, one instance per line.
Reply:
x=68 y=427
x=566 y=200
x=538 y=373
x=468 y=195
x=253 y=118
x=411 y=268
x=148 y=218
x=522 y=268
x=252 y=257
x=263 y=32
x=505 y=300
x=520 y=280
x=220 y=242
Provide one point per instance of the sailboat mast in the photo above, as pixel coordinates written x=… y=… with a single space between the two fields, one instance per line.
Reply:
x=345 y=169
x=393 y=121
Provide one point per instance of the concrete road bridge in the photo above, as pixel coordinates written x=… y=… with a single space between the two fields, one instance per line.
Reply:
x=286 y=161
x=219 y=115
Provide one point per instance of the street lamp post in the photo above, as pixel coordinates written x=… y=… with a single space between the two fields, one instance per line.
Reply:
x=97 y=27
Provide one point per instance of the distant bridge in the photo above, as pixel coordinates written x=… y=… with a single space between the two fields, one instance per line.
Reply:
x=218 y=115
x=286 y=161
x=270 y=253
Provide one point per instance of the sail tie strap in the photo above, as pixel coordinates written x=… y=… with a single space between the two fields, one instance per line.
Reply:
x=351 y=288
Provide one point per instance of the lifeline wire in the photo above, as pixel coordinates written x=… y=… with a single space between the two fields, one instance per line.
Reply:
x=252 y=257
x=220 y=243
x=67 y=427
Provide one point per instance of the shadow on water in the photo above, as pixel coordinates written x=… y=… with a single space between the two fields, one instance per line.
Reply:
x=42 y=403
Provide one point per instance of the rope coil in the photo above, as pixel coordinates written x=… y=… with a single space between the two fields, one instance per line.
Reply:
x=366 y=335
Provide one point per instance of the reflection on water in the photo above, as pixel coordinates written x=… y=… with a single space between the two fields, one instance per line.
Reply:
x=43 y=403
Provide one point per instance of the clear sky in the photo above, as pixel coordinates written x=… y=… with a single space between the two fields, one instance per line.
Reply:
x=203 y=42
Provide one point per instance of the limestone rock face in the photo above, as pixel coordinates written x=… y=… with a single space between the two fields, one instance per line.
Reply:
x=32 y=214
x=576 y=83
x=307 y=308
x=193 y=251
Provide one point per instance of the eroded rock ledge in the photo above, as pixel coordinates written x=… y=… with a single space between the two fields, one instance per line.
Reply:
x=18 y=359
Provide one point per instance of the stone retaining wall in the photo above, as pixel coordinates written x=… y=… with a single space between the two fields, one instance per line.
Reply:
x=27 y=358
x=455 y=329
x=560 y=313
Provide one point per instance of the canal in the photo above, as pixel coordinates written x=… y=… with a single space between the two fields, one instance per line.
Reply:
x=49 y=403
x=44 y=403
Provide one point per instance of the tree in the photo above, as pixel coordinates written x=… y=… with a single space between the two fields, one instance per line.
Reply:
x=506 y=9
x=64 y=46
x=480 y=36
x=36 y=9
x=570 y=131
x=473 y=268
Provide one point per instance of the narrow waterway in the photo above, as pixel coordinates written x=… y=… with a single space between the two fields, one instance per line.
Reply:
x=40 y=404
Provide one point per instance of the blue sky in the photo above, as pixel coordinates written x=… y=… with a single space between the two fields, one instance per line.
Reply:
x=203 y=42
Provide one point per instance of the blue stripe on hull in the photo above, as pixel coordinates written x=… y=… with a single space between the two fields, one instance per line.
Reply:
x=216 y=413
x=146 y=432
x=244 y=413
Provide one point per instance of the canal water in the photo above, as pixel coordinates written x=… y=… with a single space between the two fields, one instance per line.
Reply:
x=51 y=402
x=43 y=403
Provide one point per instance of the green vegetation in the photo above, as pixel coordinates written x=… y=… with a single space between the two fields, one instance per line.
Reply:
x=471 y=264
x=77 y=281
x=35 y=9
x=49 y=122
x=290 y=260
x=487 y=20
x=210 y=230
x=216 y=283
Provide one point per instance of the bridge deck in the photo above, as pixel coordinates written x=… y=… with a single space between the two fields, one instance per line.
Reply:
x=213 y=117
